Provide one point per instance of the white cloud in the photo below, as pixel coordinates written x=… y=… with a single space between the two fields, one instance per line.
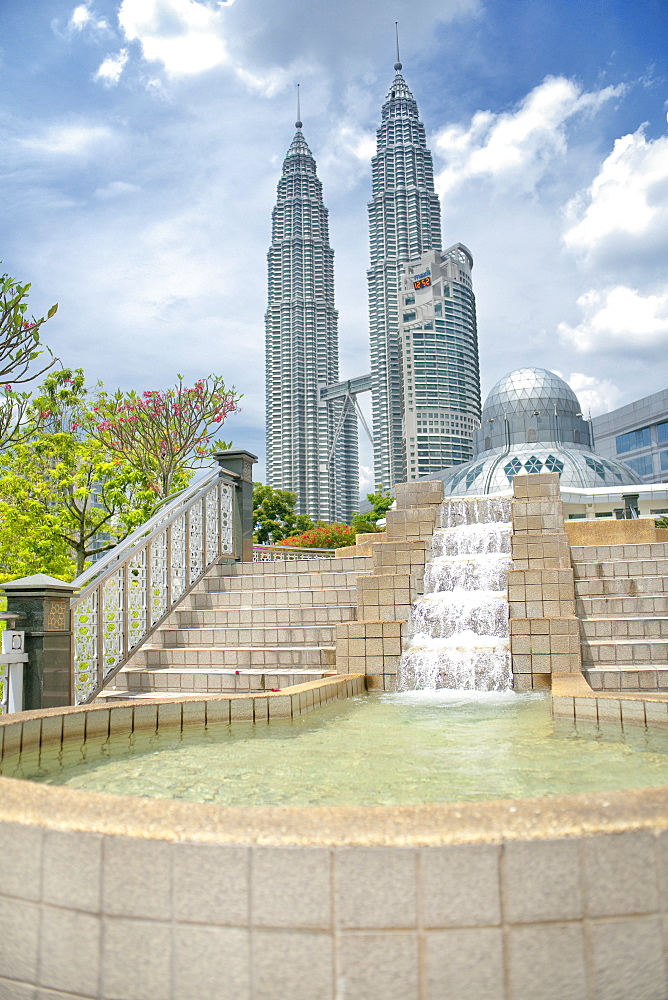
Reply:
x=68 y=140
x=110 y=70
x=596 y=395
x=82 y=17
x=621 y=319
x=627 y=198
x=183 y=35
x=519 y=145
x=116 y=189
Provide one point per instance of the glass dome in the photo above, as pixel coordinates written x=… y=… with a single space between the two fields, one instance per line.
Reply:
x=532 y=422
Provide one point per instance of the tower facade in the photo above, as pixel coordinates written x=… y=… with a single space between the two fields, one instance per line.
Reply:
x=439 y=357
x=404 y=222
x=311 y=447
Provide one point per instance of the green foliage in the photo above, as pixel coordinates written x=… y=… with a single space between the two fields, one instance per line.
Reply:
x=274 y=515
x=661 y=522
x=323 y=536
x=63 y=496
x=20 y=348
x=381 y=503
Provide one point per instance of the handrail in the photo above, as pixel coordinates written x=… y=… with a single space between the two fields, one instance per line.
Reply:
x=112 y=557
x=141 y=580
x=275 y=553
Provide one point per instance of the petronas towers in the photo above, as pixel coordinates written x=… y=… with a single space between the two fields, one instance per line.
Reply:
x=312 y=443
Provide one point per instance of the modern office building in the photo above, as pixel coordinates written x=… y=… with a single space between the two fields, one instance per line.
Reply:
x=304 y=453
x=637 y=434
x=439 y=357
x=404 y=222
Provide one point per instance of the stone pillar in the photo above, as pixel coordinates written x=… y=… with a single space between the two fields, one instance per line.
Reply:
x=44 y=603
x=240 y=463
x=544 y=629
x=372 y=644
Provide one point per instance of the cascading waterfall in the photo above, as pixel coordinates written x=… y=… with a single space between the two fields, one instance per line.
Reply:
x=458 y=630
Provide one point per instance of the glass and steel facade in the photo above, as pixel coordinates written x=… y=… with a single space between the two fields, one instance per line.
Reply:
x=637 y=434
x=404 y=222
x=302 y=351
x=532 y=422
x=439 y=357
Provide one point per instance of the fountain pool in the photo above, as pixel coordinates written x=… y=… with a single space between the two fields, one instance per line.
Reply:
x=394 y=749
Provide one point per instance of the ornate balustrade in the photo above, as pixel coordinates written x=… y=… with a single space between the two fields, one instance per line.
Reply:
x=128 y=593
x=276 y=553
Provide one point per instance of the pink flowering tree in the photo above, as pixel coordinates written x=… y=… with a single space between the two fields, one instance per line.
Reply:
x=23 y=358
x=163 y=435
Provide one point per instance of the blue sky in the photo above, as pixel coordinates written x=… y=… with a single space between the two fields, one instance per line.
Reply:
x=143 y=141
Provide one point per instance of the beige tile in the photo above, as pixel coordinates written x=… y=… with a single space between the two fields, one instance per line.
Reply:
x=52 y=729
x=291 y=887
x=292 y=964
x=20 y=861
x=71 y=874
x=194 y=712
x=120 y=721
x=19 y=939
x=620 y=874
x=465 y=964
x=379 y=966
x=547 y=962
x=541 y=881
x=169 y=715
x=69 y=950
x=460 y=885
x=97 y=722
x=376 y=887
x=11 y=990
x=136 y=878
x=145 y=716
x=136 y=959
x=211 y=962
x=627 y=959
x=210 y=883
x=218 y=710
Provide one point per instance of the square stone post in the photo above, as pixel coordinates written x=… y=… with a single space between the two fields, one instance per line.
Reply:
x=44 y=604
x=240 y=463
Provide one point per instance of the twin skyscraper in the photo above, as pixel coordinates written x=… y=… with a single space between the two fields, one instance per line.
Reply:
x=424 y=378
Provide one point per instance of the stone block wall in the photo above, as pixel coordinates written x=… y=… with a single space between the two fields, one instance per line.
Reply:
x=544 y=629
x=372 y=644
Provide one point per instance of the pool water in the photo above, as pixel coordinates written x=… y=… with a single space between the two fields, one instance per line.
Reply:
x=392 y=749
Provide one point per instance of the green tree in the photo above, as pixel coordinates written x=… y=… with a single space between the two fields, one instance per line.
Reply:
x=163 y=436
x=63 y=496
x=274 y=515
x=380 y=504
x=22 y=357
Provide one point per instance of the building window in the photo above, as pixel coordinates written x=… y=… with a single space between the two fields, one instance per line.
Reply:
x=642 y=465
x=662 y=432
x=634 y=439
x=664 y=460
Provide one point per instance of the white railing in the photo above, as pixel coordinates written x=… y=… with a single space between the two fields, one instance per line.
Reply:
x=276 y=553
x=126 y=594
x=12 y=660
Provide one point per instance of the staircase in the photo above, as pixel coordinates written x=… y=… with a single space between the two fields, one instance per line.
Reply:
x=247 y=627
x=622 y=602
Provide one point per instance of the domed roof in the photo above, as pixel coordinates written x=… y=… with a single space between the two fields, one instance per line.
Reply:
x=529 y=390
x=532 y=422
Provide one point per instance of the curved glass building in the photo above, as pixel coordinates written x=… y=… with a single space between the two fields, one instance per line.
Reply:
x=532 y=422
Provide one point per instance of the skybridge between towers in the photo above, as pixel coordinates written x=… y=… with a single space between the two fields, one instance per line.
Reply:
x=347 y=392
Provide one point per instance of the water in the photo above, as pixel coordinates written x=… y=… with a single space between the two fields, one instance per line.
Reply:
x=458 y=631
x=410 y=748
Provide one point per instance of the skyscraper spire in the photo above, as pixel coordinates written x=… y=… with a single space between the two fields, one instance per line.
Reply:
x=397 y=64
x=404 y=222
x=302 y=350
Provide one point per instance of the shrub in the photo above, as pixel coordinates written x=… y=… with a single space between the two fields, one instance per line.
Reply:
x=323 y=536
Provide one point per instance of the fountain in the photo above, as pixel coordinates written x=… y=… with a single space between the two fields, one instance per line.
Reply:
x=458 y=630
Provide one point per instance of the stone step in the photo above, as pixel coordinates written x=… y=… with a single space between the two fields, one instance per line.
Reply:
x=266 y=657
x=613 y=651
x=628 y=568
x=649 y=604
x=211 y=680
x=598 y=553
x=622 y=586
x=255 y=635
x=624 y=627
x=211 y=596
x=627 y=677
x=285 y=581
x=267 y=617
